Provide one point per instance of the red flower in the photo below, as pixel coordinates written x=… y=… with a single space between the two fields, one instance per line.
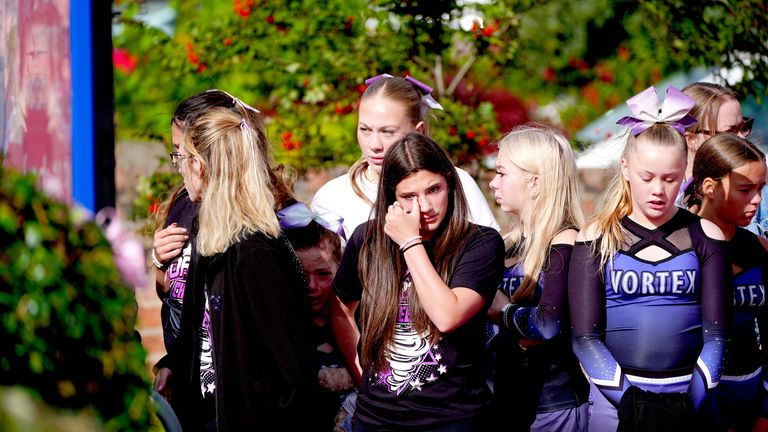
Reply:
x=124 y=61
x=270 y=19
x=154 y=207
x=475 y=26
x=243 y=7
x=453 y=131
x=470 y=134
x=604 y=73
x=549 y=74
x=227 y=41
x=201 y=68
x=591 y=94
x=361 y=88
x=482 y=142
x=348 y=23
x=342 y=110
x=655 y=74
x=191 y=56
x=488 y=31
x=623 y=53
x=579 y=64
x=287 y=135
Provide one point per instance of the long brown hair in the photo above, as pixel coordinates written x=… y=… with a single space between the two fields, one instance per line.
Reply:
x=382 y=266
x=397 y=90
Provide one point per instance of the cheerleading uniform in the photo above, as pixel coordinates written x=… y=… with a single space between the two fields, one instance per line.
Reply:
x=741 y=396
x=539 y=387
x=656 y=325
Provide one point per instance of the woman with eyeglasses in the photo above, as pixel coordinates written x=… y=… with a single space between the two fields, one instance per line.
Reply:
x=243 y=356
x=718 y=110
x=172 y=250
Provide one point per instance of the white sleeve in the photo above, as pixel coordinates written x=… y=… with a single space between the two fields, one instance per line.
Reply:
x=480 y=211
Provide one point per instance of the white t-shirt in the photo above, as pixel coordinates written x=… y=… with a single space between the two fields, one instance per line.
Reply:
x=337 y=196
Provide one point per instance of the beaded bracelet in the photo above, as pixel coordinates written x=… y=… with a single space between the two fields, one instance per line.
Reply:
x=156 y=261
x=410 y=246
x=504 y=315
x=407 y=242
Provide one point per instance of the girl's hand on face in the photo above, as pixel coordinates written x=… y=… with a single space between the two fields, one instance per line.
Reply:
x=169 y=242
x=402 y=224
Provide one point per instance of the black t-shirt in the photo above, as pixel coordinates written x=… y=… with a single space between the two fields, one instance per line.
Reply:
x=182 y=213
x=430 y=384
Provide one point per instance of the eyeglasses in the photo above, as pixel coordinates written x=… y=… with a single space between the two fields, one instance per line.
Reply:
x=743 y=129
x=176 y=157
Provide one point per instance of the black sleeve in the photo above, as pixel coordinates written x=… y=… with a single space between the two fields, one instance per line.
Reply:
x=346 y=283
x=546 y=320
x=481 y=265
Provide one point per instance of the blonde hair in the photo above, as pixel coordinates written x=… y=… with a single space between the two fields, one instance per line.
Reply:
x=397 y=90
x=708 y=98
x=237 y=198
x=548 y=154
x=617 y=198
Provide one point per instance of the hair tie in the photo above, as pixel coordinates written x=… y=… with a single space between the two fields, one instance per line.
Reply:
x=236 y=101
x=299 y=215
x=647 y=110
x=427 y=100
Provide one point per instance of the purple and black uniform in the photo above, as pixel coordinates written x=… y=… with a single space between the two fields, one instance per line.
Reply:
x=541 y=386
x=429 y=383
x=741 y=396
x=657 y=325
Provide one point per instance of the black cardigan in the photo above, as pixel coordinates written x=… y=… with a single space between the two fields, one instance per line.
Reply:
x=263 y=356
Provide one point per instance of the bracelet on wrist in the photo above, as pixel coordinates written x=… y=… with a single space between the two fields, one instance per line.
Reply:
x=408 y=242
x=156 y=261
x=504 y=316
x=412 y=245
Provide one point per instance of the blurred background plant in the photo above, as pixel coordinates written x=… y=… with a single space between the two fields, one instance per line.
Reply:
x=68 y=319
x=493 y=65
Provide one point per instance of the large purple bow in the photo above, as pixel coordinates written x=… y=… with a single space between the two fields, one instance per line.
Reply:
x=425 y=90
x=647 y=111
x=299 y=215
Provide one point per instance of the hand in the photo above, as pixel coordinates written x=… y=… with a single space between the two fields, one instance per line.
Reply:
x=169 y=242
x=162 y=378
x=402 y=224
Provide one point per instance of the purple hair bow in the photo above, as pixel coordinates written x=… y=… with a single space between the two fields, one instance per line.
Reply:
x=299 y=215
x=425 y=90
x=647 y=111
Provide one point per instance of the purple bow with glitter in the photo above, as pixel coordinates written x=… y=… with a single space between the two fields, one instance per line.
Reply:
x=647 y=111
x=299 y=215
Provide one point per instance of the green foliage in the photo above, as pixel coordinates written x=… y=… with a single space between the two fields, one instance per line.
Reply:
x=727 y=34
x=66 y=316
x=302 y=62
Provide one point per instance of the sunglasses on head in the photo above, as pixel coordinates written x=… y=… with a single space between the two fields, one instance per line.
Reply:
x=744 y=128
